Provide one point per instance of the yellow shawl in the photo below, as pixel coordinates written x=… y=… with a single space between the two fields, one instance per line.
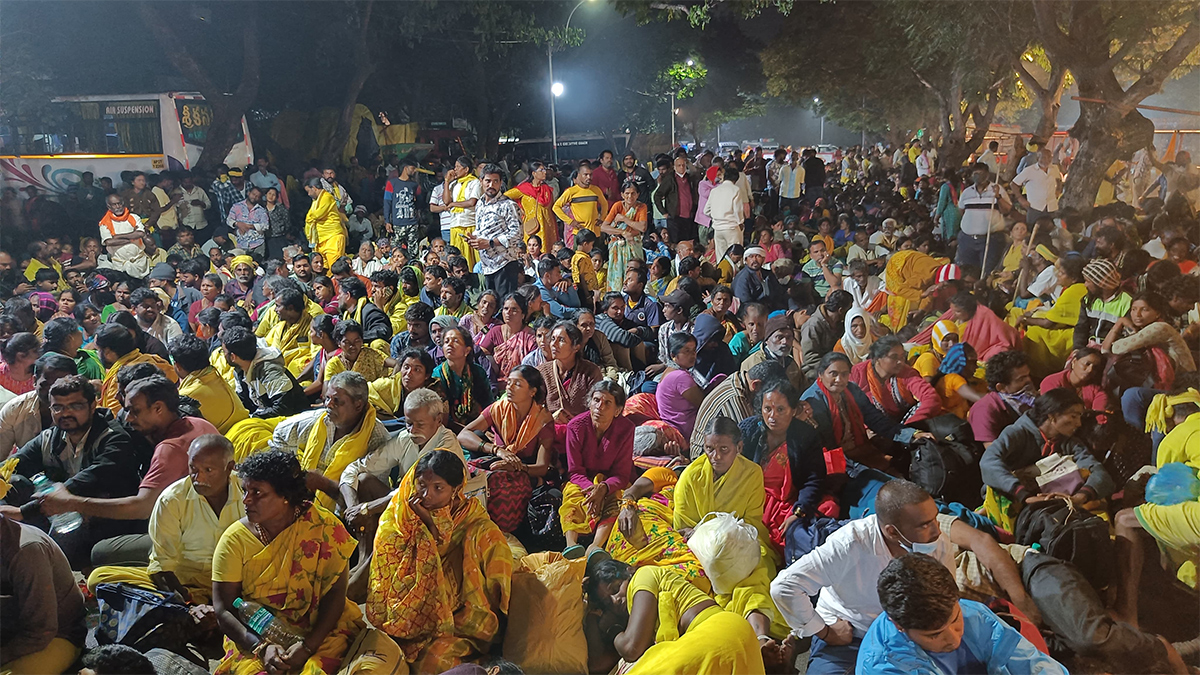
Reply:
x=345 y=450
x=291 y=339
x=108 y=390
x=440 y=601
x=289 y=576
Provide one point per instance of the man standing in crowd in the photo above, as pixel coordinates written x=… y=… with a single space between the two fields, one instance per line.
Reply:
x=814 y=176
x=496 y=235
x=676 y=197
x=604 y=176
x=984 y=206
x=728 y=212
x=400 y=208
x=581 y=206
x=1042 y=182
x=632 y=171
x=461 y=193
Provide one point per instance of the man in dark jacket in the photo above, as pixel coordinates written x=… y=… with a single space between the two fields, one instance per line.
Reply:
x=632 y=171
x=88 y=454
x=752 y=284
x=355 y=305
x=677 y=197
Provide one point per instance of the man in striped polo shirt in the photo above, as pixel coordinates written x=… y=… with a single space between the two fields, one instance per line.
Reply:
x=733 y=398
x=984 y=205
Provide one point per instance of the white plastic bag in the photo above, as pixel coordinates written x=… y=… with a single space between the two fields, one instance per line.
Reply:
x=727 y=548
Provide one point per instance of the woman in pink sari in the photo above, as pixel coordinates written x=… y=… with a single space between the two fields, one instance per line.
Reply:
x=981 y=328
x=510 y=341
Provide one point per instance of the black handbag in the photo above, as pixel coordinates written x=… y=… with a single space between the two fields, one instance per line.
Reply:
x=144 y=619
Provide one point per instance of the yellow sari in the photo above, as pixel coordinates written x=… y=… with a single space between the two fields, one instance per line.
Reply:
x=345 y=450
x=251 y=435
x=740 y=492
x=325 y=229
x=441 y=602
x=289 y=576
x=665 y=547
x=538 y=218
x=908 y=273
x=458 y=235
x=1048 y=348
x=716 y=642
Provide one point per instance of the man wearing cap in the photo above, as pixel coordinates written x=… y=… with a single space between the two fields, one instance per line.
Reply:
x=753 y=285
x=632 y=171
x=181 y=296
x=1104 y=304
x=777 y=347
x=984 y=205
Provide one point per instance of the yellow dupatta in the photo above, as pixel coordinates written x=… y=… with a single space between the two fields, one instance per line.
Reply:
x=345 y=450
x=292 y=341
x=290 y=576
x=440 y=601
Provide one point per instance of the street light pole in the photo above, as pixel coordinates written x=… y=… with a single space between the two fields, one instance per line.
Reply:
x=553 y=94
x=672 y=120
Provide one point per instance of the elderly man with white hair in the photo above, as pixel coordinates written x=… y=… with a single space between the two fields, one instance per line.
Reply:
x=366 y=483
x=329 y=440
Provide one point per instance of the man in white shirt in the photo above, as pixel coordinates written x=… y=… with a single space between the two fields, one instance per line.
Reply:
x=845 y=569
x=924 y=164
x=1042 y=182
x=191 y=203
x=989 y=157
x=983 y=204
x=726 y=208
x=263 y=178
x=791 y=184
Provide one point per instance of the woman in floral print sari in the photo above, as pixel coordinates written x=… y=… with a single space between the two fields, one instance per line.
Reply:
x=292 y=557
x=644 y=534
x=442 y=570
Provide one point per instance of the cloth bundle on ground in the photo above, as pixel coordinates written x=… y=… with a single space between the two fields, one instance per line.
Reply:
x=545 y=615
x=727 y=549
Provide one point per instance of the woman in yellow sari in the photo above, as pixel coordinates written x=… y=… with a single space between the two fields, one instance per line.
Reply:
x=291 y=557
x=442 y=570
x=908 y=274
x=535 y=199
x=1050 y=331
x=644 y=534
x=324 y=225
x=723 y=480
x=667 y=625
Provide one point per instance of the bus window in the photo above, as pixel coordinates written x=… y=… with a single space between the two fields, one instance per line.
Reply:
x=92 y=127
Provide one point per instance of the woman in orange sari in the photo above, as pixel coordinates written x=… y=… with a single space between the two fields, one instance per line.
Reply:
x=291 y=557
x=442 y=570
x=535 y=199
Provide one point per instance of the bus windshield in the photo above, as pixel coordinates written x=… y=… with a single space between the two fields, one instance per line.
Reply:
x=90 y=128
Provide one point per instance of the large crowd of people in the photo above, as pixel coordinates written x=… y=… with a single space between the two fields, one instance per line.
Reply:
x=337 y=413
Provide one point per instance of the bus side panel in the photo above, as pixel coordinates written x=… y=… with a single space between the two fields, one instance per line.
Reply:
x=55 y=175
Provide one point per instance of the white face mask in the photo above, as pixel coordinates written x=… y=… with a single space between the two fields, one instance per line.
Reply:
x=914 y=547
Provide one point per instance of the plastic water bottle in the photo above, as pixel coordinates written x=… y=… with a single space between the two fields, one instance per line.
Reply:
x=63 y=522
x=265 y=624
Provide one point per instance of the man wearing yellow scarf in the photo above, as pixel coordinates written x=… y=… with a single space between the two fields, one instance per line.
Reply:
x=464 y=191
x=289 y=334
x=345 y=431
x=118 y=348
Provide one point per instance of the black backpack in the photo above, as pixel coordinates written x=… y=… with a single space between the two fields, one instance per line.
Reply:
x=1069 y=533
x=948 y=470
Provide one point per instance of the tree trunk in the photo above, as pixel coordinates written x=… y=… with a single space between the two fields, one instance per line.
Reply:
x=1105 y=135
x=331 y=155
x=228 y=110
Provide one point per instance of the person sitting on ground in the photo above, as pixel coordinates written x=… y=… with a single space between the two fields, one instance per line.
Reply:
x=677 y=395
x=17 y=356
x=355 y=354
x=1048 y=427
x=198 y=380
x=596 y=347
x=454 y=299
x=542 y=327
x=294 y=314
x=622 y=336
x=779 y=338
x=569 y=377
x=281 y=526
x=1011 y=396
x=857 y=335
x=355 y=305
x=599 y=447
x=955 y=380
x=1049 y=331
x=366 y=484
x=320 y=334
x=415 y=371
x=417 y=318
x=27 y=415
x=104 y=465
x=732 y=398
x=559 y=295
x=264 y=384
x=1146 y=329
x=821 y=333
x=149 y=308
x=508 y=342
x=467 y=385
x=667 y=625
x=188 y=519
x=894 y=387
x=783 y=441
x=753 y=317
x=152 y=411
x=516 y=429
x=62 y=335
x=44 y=611
x=431 y=531
x=485 y=316
x=118 y=349
x=147 y=343
x=845 y=569
x=925 y=626
x=944 y=336
x=843 y=414
x=1083 y=375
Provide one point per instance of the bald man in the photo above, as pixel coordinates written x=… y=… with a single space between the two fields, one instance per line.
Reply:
x=188 y=518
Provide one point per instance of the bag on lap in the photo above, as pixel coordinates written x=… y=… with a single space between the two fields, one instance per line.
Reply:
x=949 y=470
x=508 y=494
x=1069 y=533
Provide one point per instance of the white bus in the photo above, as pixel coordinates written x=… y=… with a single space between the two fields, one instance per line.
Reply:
x=110 y=134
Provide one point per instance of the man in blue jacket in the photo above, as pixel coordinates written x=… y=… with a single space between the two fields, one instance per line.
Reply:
x=926 y=628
